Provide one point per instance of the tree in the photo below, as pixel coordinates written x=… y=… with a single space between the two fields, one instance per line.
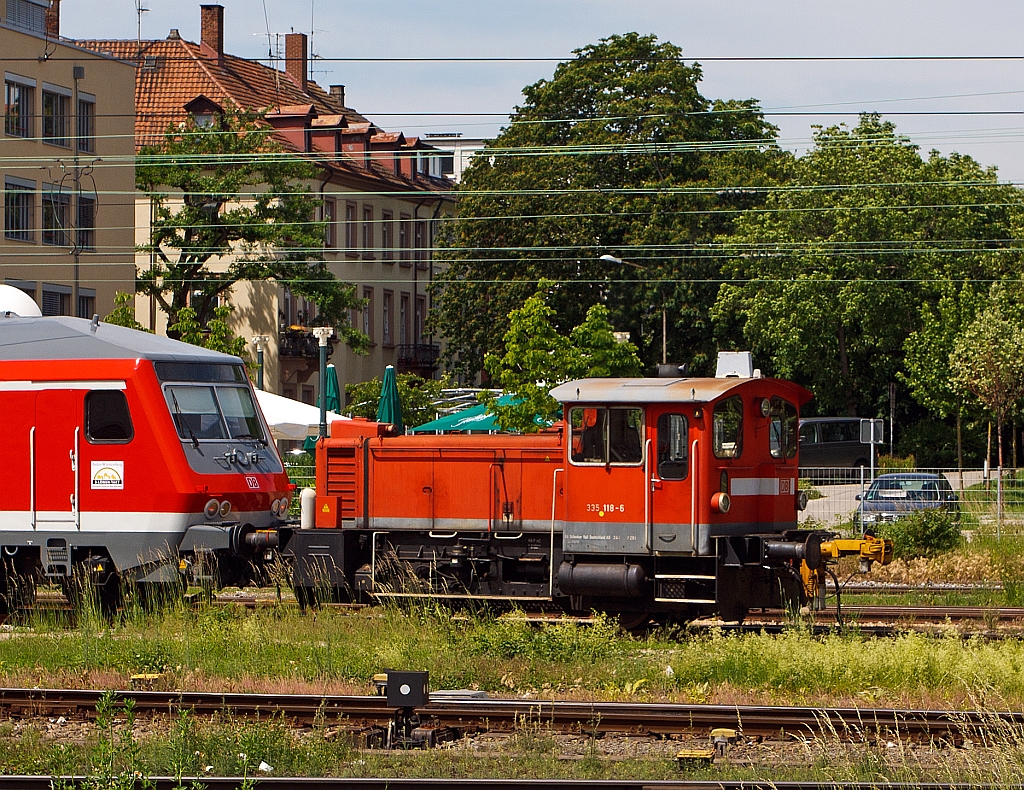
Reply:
x=419 y=397
x=123 y=313
x=216 y=335
x=831 y=274
x=927 y=357
x=617 y=153
x=537 y=358
x=987 y=361
x=229 y=194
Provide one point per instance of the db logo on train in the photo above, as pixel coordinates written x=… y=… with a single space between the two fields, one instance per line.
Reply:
x=253 y=482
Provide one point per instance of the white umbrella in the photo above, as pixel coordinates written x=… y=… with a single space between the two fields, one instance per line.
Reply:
x=291 y=419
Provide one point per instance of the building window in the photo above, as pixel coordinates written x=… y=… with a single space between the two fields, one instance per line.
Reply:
x=351 y=243
x=330 y=212
x=403 y=239
x=368 y=313
x=447 y=164
x=421 y=308
x=85 y=228
x=86 y=302
x=86 y=125
x=403 y=320
x=421 y=244
x=18 y=201
x=28 y=15
x=56 y=107
x=387 y=311
x=387 y=237
x=55 y=217
x=56 y=299
x=367 y=231
x=17 y=109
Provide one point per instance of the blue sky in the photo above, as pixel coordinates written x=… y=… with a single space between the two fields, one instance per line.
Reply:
x=725 y=28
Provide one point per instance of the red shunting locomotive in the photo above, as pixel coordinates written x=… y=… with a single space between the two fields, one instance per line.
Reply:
x=654 y=498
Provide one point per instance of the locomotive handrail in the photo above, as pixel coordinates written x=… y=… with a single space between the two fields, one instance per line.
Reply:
x=32 y=473
x=443 y=535
x=74 y=468
x=693 y=496
x=551 y=551
x=648 y=487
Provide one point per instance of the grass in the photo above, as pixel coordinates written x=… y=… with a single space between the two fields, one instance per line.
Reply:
x=331 y=651
x=118 y=749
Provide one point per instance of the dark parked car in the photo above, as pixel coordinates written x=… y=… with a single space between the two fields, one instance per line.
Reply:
x=832 y=442
x=892 y=496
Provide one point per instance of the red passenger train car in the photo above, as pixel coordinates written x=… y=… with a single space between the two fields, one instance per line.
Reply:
x=653 y=498
x=128 y=454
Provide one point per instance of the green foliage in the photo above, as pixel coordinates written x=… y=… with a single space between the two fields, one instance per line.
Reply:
x=987 y=361
x=419 y=397
x=537 y=357
x=618 y=149
x=193 y=180
x=933 y=443
x=514 y=637
x=832 y=275
x=923 y=533
x=216 y=335
x=123 y=313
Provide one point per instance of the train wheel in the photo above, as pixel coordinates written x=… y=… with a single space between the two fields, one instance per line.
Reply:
x=636 y=623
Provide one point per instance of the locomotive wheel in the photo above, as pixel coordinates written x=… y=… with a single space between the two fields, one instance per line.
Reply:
x=635 y=623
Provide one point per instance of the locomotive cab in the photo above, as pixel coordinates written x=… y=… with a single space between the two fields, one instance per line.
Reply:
x=673 y=489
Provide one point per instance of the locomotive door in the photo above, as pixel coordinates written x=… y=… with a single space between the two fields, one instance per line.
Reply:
x=506 y=495
x=56 y=448
x=607 y=482
x=672 y=481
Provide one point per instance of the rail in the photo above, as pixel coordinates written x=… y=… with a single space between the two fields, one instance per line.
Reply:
x=506 y=714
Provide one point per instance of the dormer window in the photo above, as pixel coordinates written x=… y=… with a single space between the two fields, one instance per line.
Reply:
x=205 y=112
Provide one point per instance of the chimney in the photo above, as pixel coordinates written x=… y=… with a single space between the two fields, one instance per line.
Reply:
x=212 y=41
x=52 y=19
x=338 y=94
x=295 y=58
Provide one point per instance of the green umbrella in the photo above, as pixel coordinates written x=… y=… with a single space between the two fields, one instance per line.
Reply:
x=332 y=390
x=389 y=409
x=472 y=419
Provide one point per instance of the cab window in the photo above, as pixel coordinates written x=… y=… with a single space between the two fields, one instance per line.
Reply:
x=606 y=436
x=672 y=446
x=727 y=441
x=782 y=430
x=107 y=419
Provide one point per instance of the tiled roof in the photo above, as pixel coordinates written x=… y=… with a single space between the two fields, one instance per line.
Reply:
x=172 y=72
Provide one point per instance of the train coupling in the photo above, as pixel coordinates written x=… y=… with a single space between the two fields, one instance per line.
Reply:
x=868 y=548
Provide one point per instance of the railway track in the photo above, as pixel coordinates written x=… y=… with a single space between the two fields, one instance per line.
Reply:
x=506 y=715
x=331 y=783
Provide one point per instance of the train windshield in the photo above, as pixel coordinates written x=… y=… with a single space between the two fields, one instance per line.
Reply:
x=214 y=412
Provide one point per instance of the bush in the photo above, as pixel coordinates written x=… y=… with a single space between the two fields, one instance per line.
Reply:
x=924 y=533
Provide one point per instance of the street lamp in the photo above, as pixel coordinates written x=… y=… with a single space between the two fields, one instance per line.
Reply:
x=664 y=319
x=322 y=334
x=259 y=342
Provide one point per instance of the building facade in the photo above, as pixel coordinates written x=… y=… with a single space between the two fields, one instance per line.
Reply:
x=383 y=200
x=66 y=166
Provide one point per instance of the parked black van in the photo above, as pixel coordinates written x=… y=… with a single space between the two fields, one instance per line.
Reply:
x=832 y=442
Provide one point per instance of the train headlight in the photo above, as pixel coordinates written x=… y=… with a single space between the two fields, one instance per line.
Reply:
x=225 y=509
x=285 y=501
x=275 y=507
x=211 y=509
x=720 y=502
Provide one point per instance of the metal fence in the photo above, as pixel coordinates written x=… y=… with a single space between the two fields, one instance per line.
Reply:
x=986 y=504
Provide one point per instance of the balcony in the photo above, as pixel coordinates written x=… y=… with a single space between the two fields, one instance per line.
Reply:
x=299 y=353
x=418 y=358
